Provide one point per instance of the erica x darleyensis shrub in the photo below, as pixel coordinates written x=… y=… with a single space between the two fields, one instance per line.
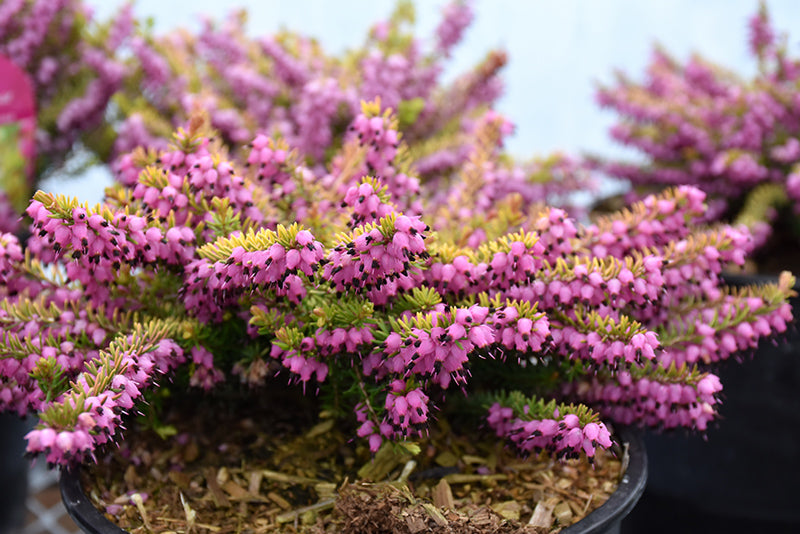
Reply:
x=738 y=139
x=285 y=86
x=71 y=61
x=379 y=298
x=103 y=90
x=697 y=123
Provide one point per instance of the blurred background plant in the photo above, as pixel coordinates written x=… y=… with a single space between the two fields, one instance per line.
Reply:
x=287 y=87
x=736 y=137
x=102 y=89
x=71 y=62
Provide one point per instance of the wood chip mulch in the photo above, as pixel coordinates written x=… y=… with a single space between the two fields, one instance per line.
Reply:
x=242 y=472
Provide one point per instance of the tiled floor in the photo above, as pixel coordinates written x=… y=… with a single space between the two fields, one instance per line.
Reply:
x=45 y=512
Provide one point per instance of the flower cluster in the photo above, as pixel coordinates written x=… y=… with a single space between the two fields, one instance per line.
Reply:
x=367 y=204
x=684 y=399
x=90 y=413
x=378 y=258
x=561 y=436
x=231 y=266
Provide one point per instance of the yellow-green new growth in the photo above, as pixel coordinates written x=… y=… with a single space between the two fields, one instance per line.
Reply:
x=533 y=408
x=251 y=241
x=38 y=309
x=608 y=328
x=99 y=373
x=525 y=309
x=345 y=312
x=761 y=203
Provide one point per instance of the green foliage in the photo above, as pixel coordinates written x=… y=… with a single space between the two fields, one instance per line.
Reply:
x=608 y=328
x=224 y=219
x=422 y=321
x=62 y=206
x=674 y=374
x=188 y=141
x=760 y=203
x=153 y=176
x=98 y=374
x=408 y=111
x=13 y=179
x=48 y=275
x=288 y=337
x=346 y=312
x=609 y=267
x=531 y=408
x=12 y=346
x=266 y=320
x=51 y=378
x=420 y=299
x=26 y=310
x=251 y=240
x=526 y=309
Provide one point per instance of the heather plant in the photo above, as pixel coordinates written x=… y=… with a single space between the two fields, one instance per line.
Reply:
x=286 y=85
x=287 y=88
x=738 y=139
x=105 y=89
x=72 y=65
x=374 y=296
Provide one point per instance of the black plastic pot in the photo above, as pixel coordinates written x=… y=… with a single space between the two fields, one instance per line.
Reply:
x=80 y=508
x=608 y=518
x=743 y=477
x=13 y=471
x=604 y=520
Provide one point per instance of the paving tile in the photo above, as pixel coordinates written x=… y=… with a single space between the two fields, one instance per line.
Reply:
x=66 y=522
x=45 y=512
x=49 y=497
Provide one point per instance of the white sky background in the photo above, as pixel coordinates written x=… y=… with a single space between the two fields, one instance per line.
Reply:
x=557 y=49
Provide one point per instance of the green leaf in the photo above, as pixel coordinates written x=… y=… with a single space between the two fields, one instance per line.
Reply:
x=408 y=111
x=225 y=220
x=165 y=431
x=410 y=447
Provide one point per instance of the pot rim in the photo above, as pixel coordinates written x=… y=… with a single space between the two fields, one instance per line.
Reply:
x=627 y=494
x=618 y=505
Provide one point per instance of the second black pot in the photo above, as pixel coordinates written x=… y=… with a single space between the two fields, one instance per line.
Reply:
x=743 y=476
